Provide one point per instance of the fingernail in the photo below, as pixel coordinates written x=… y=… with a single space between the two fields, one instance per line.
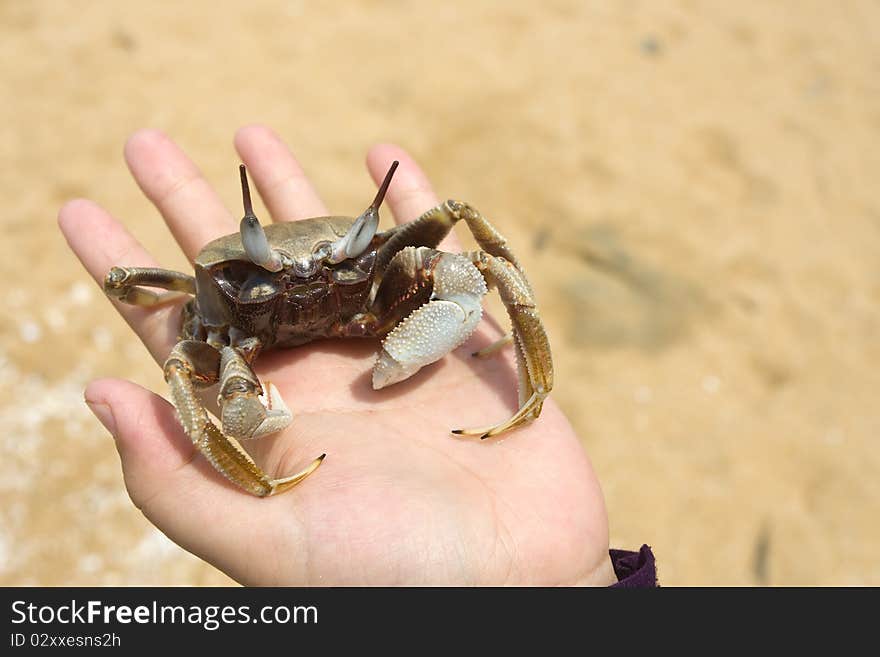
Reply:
x=103 y=412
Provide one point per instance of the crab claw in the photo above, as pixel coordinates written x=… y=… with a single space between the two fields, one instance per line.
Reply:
x=361 y=233
x=437 y=327
x=253 y=237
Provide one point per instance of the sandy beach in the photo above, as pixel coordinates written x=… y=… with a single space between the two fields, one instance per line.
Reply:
x=692 y=187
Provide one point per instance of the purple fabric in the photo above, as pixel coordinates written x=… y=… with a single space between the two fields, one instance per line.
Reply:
x=634 y=570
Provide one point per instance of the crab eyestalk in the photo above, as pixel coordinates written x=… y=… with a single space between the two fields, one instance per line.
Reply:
x=253 y=237
x=364 y=228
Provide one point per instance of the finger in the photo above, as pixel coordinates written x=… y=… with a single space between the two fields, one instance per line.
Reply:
x=410 y=193
x=190 y=206
x=165 y=476
x=282 y=183
x=100 y=242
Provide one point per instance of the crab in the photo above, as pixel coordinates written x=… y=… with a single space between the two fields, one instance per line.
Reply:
x=330 y=277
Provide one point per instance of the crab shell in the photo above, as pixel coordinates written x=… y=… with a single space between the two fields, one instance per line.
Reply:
x=282 y=308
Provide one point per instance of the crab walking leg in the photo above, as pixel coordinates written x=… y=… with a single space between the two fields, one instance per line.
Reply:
x=432 y=226
x=222 y=452
x=202 y=359
x=495 y=347
x=534 y=360
x=124 y=283
x=437 y=327
x=487 y=236
x=244 y=415
x=428 y=230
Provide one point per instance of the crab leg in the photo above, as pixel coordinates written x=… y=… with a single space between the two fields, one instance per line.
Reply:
x=124 y=283
x=495 y=347
x=432 y=226
x=222 y=451
x=533 y=356
x=534 y=360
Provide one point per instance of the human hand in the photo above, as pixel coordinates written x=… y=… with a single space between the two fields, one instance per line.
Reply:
x=398 y=500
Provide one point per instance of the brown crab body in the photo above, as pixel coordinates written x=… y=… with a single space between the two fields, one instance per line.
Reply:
x=283 y=309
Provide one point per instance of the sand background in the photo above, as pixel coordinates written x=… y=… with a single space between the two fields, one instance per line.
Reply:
x=692 y=187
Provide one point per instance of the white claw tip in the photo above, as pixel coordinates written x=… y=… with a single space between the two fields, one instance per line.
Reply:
x=388 y=371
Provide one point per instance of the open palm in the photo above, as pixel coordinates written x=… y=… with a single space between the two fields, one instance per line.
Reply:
x=399 y=499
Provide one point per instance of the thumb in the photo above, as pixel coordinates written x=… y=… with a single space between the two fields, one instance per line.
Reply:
x=166 y=478
x=143 y=426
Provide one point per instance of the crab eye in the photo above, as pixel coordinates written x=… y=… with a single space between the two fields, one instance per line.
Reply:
x=361 y=233
x=253 y=237
x=356 y=240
